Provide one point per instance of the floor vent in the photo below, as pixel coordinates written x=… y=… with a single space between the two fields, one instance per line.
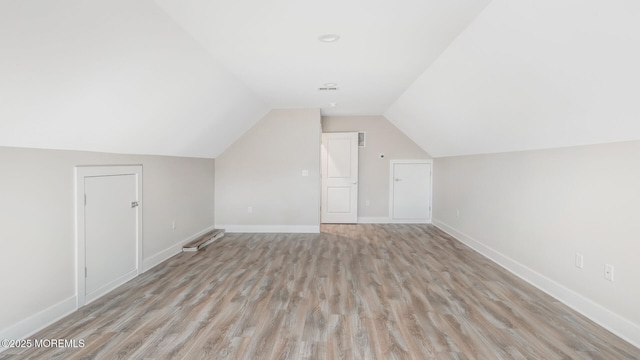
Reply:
x=204 y=240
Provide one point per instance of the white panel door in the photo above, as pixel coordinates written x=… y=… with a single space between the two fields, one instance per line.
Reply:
x=411 y=192
x=111 y=248
x=339 y=161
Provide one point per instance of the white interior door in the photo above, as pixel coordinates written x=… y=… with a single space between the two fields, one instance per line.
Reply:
x=109 y=249
x=339 y=159
x=411 y=191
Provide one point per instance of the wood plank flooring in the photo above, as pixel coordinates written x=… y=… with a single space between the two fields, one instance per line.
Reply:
x=351 y=292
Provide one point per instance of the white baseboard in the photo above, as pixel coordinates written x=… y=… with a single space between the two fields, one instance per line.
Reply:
x=410 y=221
x=609 y=320
x=173 y=250
x=374 y=220
x=38 y=321
x=305 y=229
x=388 y=220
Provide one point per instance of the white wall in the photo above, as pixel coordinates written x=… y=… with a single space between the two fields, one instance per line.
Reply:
x=263 y=170
x=533 y=211
x=37 y=235
x=382 y=137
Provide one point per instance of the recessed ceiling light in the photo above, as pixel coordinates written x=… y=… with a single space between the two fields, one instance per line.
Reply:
x=332 y=104
x=331 y=85
x=329 y=38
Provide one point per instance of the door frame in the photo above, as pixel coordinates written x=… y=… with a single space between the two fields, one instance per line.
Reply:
x=392 y=163
x=80 y=173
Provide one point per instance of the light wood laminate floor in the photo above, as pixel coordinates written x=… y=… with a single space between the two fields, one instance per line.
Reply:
x=351 y=292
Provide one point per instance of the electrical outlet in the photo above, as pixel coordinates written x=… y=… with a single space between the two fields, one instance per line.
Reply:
x=367 y=203
x=608 y=272
x=457 y=213
x=579 y=261
x=173 y=225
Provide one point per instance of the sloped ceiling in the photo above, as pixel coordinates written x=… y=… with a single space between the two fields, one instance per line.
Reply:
x=188 y=77
x=114 y=76
x=530 y=75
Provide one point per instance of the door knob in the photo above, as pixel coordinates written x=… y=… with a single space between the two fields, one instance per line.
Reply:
x=398 y=179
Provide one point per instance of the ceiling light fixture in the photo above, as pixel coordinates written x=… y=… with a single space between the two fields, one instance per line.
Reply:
x=328 y=38
x=330 y=85
x=332 y=104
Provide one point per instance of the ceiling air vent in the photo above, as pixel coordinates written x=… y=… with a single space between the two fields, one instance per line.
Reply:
x=327 y=88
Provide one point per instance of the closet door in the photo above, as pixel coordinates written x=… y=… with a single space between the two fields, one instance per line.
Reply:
x=411 y=191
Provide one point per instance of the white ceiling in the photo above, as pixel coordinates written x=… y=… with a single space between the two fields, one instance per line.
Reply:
x=273 y=47
x=188 y=77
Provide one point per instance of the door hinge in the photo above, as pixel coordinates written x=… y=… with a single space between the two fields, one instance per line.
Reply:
x=134 y=204
x=85 y=272
x=85 y=199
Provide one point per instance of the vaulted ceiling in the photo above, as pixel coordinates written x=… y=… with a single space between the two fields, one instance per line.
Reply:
x=188 y=77
x=273 y=46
